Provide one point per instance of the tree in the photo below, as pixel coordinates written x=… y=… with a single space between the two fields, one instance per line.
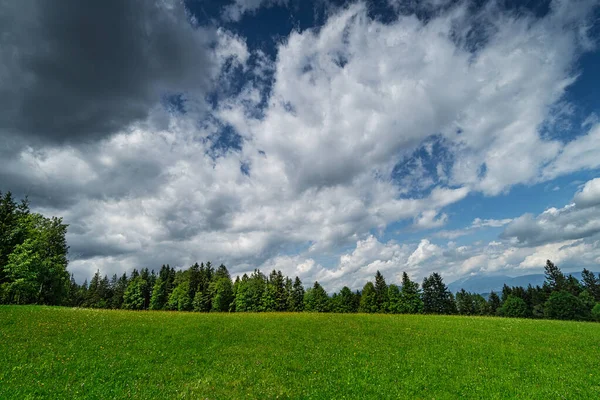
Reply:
x=410 y=297
x=394 y=299
x=179 y=299
x=221 y=290
x=343 y=302
x=381 y=290
x=514 y=307
x=12 y=229
x=250 y=292
x=316 y=299
x=464 y=303
x=119 y=292
x=564 y=305
x=591 y=284
x=596 y=312
x=493 y=303
x=222 y=293
x=368 y=299
x=36 y=268
x=133 y=298
x=296 y=299
x=555 y=279
x=268 y=300
x=437 y=299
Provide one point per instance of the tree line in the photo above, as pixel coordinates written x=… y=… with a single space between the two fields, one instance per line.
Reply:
x=202 y=288
x=33 y=270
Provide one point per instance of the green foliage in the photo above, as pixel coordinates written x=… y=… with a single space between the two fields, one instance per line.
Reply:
x=133 y=298
x=591 y=283
x=316 y=299
x=250 y=292
x=221 y=290
x=296 y=297
x=555 y=279
x=596 y=312
x=34 y=269
x=493 y=303
x=564 y=305
x=381 y=290
x=344 y=302
x=368 y=299
x=437 y=299
x=513 y=307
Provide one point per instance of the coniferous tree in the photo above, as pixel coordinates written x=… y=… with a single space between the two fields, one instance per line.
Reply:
x=493 y=303
x=381 y=290
x=591 y=284
x=133 y=298
x=316 y=299
x=368 y=299
x=555 y=279
x=268 y=300
x=437 y=299
x=464 y=303
x=296 y=301
x=288 y=291
x=119 y=292
x=221 y=290
x=394 y=299
x=343 y=302
x=410 y=297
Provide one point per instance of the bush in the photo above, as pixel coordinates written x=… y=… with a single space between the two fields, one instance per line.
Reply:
x=563 y=305
x=596 y=312
x=513 y=307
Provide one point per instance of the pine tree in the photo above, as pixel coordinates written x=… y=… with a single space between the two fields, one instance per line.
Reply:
x=296 y=301
x=381 y=290
x=437 y=299
x=221 y=290
x=555 y=279
x=493 y=303
x=394 y=299
x=119 y=292
x=316 y=299
x=410 y=297
x=368 y=299
x=591 y=284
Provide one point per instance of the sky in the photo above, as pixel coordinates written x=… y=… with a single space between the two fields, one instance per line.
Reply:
x=326 y=139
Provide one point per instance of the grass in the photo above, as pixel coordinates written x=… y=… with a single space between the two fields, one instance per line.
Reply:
x=62 y=353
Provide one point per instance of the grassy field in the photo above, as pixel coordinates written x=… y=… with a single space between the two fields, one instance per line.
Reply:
x=62 y=353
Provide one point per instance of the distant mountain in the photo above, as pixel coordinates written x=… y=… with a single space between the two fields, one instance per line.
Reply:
x=486 y=284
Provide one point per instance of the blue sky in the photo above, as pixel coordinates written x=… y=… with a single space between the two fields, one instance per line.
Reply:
x=324 y=138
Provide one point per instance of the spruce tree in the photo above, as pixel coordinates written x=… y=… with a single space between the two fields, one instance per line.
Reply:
x=437 y=299
x=368 y=299
x=381 y=290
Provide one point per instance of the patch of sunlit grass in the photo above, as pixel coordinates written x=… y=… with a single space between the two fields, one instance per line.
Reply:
x=52 y=352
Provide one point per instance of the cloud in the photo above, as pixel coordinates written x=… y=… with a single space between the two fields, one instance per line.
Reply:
x=589 y=196
x=235 y=12
x=580 y=219
x=427 y=220
x=477 y=224
x=321 y=128
x=78 y=71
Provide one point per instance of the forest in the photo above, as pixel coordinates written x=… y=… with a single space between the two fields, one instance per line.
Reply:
x=33 y=270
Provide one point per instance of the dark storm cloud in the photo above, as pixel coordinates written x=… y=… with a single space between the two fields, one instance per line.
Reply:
x=73 y=71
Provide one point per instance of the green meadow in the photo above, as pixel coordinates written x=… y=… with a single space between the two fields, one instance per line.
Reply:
x=68 y=353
